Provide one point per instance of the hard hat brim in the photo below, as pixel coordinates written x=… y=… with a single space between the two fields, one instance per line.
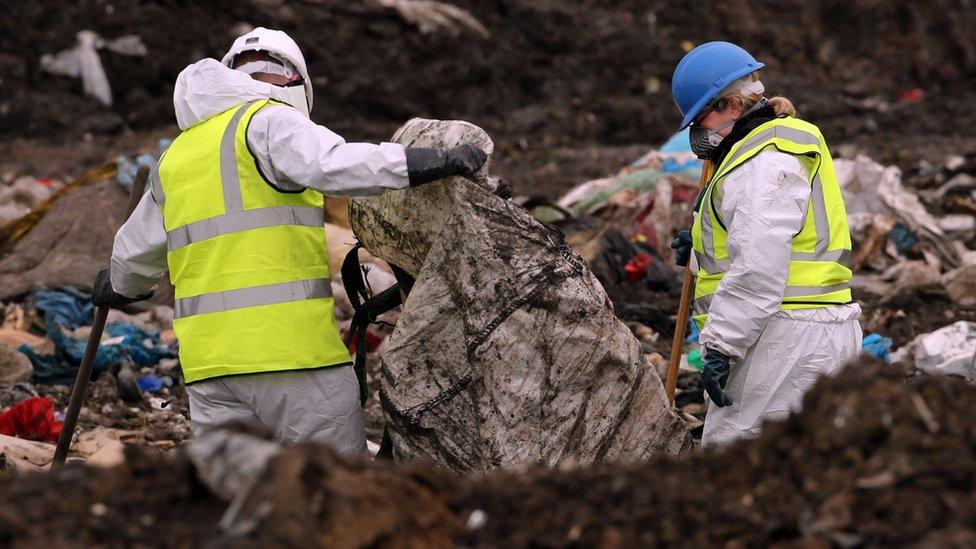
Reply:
x=718 y=86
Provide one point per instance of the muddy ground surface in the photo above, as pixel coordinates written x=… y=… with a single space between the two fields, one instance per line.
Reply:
x=872 y=460
x=563 y=87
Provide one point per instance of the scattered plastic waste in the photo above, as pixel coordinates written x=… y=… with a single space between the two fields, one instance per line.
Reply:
x=948 y=350
x=878 y=346
x=82 y=61
x=150 y=384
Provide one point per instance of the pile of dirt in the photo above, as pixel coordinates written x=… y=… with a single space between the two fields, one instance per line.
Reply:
x=872 y=460
x=554 y=76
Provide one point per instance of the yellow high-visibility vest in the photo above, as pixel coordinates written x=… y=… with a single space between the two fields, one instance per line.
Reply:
x=819 y=274
x=248 y=261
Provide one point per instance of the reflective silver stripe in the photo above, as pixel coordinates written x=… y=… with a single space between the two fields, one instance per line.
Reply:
x=820 y=220
x=707 y=260
x=156 y=185
x=252 y=297
x=834 y=256
x=708 y=244
x=781 y=132
x=700 y=306
x=228 y=163
x=716 y=266
x=713 y=266
x=797 y=291
x=305 y=216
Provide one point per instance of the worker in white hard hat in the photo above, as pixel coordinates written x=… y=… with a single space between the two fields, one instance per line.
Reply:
x=235 y=215
x=770 y=242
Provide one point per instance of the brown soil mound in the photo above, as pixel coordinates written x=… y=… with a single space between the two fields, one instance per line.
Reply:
x=871 y=461
x=554 y=74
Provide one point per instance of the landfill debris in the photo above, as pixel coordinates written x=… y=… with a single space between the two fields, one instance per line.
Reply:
x=65 y=248
x=228 y=460
x=786 y=486
x=485 y=320
x=432 y=16
x=877 y=346
x=31 y=419
x=15 y=367
x=960 y=285
x=870 y=188
x=649 y=200
x=66 y=308
x=150 y=384
x=127 y=166
x=23 y=196
x=98 y=447
x=948 y=350
x=82 y=61
x=908 y=276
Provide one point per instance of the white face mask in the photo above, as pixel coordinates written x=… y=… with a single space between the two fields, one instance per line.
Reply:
x=294 y=95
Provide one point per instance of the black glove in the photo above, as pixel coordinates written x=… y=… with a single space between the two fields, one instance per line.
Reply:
x=430 y=164
x=104 y=296
x=682 y=245
x=714 y=376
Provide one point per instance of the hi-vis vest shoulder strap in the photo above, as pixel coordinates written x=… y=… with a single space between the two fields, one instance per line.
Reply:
x=248 y=261
x=819 y=275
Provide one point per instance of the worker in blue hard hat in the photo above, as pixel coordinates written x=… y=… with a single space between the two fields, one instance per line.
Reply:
x=771 y=246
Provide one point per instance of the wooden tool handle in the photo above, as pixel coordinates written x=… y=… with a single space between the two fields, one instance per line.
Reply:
x=91 y=348
x=684 y=306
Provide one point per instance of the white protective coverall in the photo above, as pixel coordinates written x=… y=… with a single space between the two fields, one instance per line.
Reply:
x=776 y=355
x=292 y=152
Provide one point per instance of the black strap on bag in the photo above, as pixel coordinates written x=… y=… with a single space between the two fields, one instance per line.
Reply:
x=367 y=307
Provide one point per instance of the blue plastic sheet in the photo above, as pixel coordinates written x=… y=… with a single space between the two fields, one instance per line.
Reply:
x=681 y=143
x=150 y=384
x=878 y=346
x=68 y=308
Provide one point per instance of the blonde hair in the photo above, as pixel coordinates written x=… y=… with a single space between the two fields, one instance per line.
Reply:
x=732 y=96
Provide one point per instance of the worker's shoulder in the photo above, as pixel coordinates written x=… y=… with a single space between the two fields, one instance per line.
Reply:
x=277 y=118
x=797 y=124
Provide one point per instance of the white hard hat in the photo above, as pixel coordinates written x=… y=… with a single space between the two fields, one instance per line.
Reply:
x=276 y=42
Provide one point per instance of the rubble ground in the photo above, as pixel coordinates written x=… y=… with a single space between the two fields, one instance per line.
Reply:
x=871 y=460
x=571 y=93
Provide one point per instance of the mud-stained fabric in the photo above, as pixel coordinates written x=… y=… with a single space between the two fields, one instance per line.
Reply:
x=507 y=350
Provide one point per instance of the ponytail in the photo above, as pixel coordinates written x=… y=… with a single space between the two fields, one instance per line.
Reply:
x=782 y=106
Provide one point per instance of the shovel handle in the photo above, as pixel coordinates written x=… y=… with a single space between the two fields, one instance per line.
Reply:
x=91 y=348
x=684 y=306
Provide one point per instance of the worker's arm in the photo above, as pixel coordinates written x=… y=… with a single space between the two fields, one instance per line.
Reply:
x=139 y=253
x=294 y=152
x=763 y=207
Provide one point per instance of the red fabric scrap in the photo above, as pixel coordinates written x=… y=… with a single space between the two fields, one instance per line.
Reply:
x=31 y=419
x=911 y=95
x=636 y=268
x=372 y=342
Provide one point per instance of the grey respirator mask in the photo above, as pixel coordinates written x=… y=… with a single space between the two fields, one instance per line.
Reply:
x=704 y=141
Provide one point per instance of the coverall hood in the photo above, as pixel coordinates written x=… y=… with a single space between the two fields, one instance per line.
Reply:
x=207 y=88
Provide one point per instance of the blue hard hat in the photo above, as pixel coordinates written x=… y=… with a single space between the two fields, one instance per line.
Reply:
x=704 y=72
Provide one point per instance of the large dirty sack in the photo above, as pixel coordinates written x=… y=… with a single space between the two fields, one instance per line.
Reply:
x=507 y=349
